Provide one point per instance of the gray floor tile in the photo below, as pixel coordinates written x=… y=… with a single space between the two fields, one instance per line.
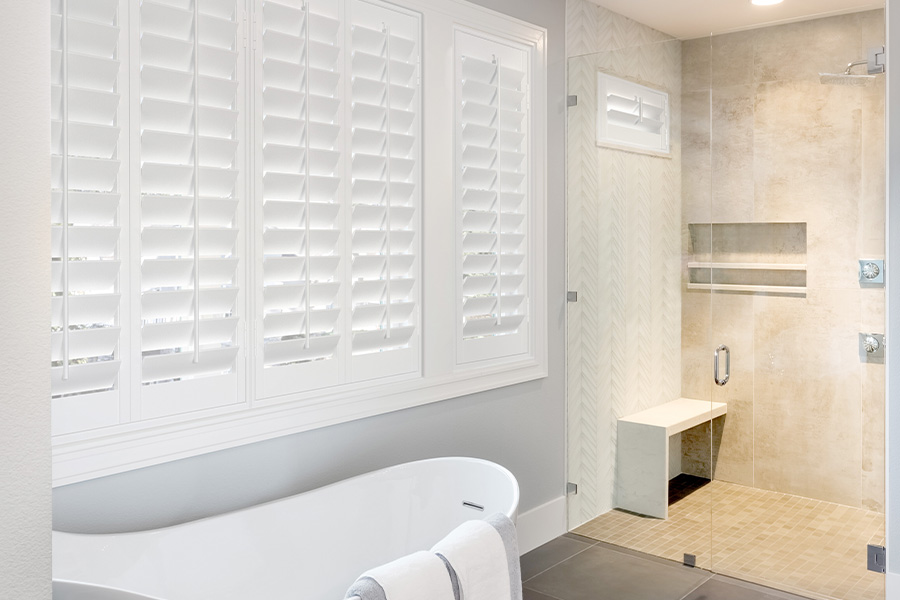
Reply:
x=552 y=553
x=603 y=573
x=724 y=588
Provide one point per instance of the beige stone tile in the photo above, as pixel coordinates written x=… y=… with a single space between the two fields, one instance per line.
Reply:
x=872 y=314
x=732 y=443
x=733 y=59
x=695 y=157
x=873 y=443
x=808 y=168
x=807 y=417
x=732 y=130
x=695 y=345
x=798 y=51
x=871 y=218
x=695 y=64
x=872 y=27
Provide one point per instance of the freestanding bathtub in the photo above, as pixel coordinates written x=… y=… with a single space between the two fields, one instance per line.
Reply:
x=309 y=547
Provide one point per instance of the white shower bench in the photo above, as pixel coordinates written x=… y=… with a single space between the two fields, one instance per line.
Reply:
x=642 y=451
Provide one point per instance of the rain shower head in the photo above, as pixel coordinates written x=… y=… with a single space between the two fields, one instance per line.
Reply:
x=847 y=77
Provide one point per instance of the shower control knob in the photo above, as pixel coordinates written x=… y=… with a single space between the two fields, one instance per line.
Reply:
x=870 y=271
x=871 y=344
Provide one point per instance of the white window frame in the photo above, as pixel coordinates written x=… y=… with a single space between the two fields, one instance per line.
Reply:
x=89 y=454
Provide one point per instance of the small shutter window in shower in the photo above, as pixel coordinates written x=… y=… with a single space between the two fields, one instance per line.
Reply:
x=631 y=116
x=493 y=197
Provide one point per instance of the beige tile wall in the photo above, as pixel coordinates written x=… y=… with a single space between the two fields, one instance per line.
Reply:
x=769 y=143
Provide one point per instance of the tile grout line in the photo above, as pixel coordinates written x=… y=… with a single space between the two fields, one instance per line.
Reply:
x=698 y=586
x=541 y=593
x=559 y=563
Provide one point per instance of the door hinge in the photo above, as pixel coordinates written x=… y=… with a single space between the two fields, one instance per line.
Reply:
x=571 y=488
x=572 y=101
x=571 y=296
x=877 y=558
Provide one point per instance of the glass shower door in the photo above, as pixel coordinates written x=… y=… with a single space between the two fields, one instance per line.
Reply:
x=795 y=280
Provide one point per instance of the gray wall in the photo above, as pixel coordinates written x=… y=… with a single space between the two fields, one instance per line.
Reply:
x=521 y=427
x=25 y=301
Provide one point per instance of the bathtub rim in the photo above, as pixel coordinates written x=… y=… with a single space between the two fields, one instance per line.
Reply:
x=513 y=514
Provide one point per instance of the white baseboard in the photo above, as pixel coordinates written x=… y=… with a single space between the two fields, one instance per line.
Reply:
x=892 y=581
x=542 y=524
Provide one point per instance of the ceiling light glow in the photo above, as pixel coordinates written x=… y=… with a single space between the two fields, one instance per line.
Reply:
x=765 y=2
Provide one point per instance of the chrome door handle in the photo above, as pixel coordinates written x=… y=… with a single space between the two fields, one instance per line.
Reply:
x=723 y=380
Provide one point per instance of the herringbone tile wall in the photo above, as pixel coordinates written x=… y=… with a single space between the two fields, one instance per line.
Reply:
x=624 y=253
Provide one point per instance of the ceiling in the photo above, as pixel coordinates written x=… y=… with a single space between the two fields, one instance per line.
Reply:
x=688 y=19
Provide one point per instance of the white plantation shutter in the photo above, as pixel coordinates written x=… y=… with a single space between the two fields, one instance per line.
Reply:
x=190 y=130
x=232 y=167
x=493 y=196
x=87 y=186
x=385 y=190
x=299 y=129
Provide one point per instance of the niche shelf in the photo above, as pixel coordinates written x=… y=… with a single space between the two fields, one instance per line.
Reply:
x=748 y=258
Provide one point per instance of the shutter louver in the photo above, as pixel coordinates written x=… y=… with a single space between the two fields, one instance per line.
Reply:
x=493 y=196
x=301 y=190
x=189 y=172
x=86 y=195
x=385 y=191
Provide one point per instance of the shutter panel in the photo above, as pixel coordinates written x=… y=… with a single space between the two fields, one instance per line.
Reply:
x=87 y=182
x=300 y=153
x=493 y=196
x=190 y=126
x=385 y=190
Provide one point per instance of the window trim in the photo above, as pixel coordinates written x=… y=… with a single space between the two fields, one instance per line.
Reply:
x=90 y=454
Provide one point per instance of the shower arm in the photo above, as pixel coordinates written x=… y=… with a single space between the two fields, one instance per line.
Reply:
x=855 y=63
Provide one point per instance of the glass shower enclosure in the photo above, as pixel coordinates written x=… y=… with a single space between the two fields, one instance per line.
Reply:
x=726 y=215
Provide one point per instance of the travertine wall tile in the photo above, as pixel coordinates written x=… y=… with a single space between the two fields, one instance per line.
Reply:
x=806 y=396
x=873 y=457
x=784 y=148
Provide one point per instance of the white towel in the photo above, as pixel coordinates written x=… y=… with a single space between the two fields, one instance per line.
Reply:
x=413 y=577
x=476 y=552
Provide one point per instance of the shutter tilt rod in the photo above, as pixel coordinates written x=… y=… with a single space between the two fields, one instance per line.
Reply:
x=306 y=183
x=499 y=201
x=196 y=181
x=387 y=50
x=65 y=191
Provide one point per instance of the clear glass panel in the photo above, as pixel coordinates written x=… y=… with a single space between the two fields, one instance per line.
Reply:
x=797 y=182
x=634 y=368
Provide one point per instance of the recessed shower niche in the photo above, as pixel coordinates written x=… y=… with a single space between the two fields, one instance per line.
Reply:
x=749 y=258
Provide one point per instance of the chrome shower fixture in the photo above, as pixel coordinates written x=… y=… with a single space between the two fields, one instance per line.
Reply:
x=874 y=65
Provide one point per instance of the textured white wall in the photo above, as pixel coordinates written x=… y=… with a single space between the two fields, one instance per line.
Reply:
x=24 y=301
x=624 y=253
